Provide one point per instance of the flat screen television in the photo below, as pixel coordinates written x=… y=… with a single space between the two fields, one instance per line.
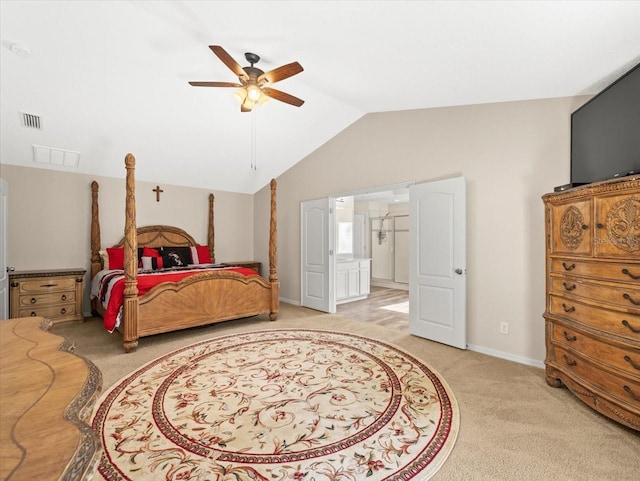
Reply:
x=605 y=132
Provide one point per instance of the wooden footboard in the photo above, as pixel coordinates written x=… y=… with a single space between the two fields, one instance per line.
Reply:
x=203 y=299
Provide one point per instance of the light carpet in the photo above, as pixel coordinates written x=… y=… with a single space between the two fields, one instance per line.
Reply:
x=281 y=404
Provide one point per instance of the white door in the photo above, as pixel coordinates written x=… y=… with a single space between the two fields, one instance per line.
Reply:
x=437 y=272
x=4 y=281
x=317 y=244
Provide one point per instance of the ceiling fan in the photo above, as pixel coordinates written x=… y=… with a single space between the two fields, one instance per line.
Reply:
x=252 y=88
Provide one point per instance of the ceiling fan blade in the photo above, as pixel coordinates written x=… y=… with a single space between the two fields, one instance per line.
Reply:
x=229 y=61
x=282 y=96
x=215 y=84
x=281 y=73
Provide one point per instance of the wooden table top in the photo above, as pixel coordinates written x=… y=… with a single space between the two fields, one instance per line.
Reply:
x=46 y=397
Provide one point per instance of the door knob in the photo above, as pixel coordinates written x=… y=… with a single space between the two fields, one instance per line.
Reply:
x=458 y=271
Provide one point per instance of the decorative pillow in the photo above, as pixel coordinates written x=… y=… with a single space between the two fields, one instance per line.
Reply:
x=155 y=254
x=200 y=255
x=176 y=256
x=151 y=263
x=104 y=259
x=116 y=257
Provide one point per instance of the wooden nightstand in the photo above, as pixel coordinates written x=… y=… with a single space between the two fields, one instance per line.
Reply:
x=54 y=294
x=248 y=264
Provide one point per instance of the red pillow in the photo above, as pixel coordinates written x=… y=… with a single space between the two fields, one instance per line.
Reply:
x=116 y=257
x=204 y=257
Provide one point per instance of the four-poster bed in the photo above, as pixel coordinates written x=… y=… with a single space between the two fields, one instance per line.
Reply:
x=206 y=297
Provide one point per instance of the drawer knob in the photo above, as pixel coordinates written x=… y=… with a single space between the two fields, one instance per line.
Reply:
x=569 y=338
x=568 y=267
x=631 y=299
x=33 y=300
x=568 y=286
x=585 y=226
x=631 y=393
x=64 y=297
x=626 y=272
x=33 y=314
x=568 y=308
x=600 y=225
x=633 y=364
x=570 y=362
x=63 y=311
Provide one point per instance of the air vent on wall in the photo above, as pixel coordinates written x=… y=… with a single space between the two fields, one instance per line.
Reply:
x=31 y=120
x=52 y=156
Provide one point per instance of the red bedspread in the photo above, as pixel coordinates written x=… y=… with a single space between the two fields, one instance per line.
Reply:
x=146 y=281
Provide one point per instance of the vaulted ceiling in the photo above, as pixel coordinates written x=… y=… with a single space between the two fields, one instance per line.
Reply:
x=110 y=77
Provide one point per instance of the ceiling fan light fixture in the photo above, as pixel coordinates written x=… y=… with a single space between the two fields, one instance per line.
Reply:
x=240 y=95
x=254 y=93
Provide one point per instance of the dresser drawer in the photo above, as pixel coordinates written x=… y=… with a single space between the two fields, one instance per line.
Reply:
x=46 y=284
x=624 y=358
x=625 y=296
x=57 y=312
x=610 y=271
x=615 y=322
x=626 y=389
x=51 y=298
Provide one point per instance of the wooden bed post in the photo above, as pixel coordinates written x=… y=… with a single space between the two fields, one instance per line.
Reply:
x=273 y=255
x=95 y=230
x=211 y=233
x=130 y=302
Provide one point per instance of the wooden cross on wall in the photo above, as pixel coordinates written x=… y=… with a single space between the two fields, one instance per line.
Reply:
x=157 y=190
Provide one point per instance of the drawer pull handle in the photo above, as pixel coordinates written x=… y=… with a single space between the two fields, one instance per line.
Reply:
x=568 y=309
x=631 y=393
x=627 y=273
x=633 y=364
x=631 y=299
x=63 y=311
x=33 y=300
x=568 y=267
x=33 y=314
x=570 y=362
x=568 y=286
x=625 y=323
x=48 y=285
x=570 y=338
x=64 y=297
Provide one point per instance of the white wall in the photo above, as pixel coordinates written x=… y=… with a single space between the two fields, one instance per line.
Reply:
x=511 y=154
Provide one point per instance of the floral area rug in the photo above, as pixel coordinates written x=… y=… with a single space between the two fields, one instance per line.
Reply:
x=301 y=405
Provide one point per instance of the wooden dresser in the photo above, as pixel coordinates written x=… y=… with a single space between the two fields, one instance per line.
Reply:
x=54 y=294
x=593 y=295
x=46 y=398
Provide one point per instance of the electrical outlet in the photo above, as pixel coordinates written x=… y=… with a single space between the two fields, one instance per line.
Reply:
x=504 y=328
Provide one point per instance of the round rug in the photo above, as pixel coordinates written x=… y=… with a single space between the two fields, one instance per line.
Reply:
x=278 y=405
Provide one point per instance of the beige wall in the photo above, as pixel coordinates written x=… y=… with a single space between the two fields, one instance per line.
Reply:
x=510 y=153
x=49 y=217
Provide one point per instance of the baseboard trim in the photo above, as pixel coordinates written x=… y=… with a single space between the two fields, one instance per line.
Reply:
x=289 y=301
x=505 y=355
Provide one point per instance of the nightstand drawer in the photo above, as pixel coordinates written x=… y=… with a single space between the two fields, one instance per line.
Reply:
x=52 y=298
x=58 y=313
x=47 y=284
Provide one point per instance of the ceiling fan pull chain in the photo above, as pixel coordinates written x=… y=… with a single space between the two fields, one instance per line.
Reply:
x=254 y=165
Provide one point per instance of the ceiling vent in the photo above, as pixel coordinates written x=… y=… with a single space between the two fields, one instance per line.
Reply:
x=52 y=156
x=31 y=121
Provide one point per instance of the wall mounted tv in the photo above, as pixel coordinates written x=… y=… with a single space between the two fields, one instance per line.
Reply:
x=605 y=132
